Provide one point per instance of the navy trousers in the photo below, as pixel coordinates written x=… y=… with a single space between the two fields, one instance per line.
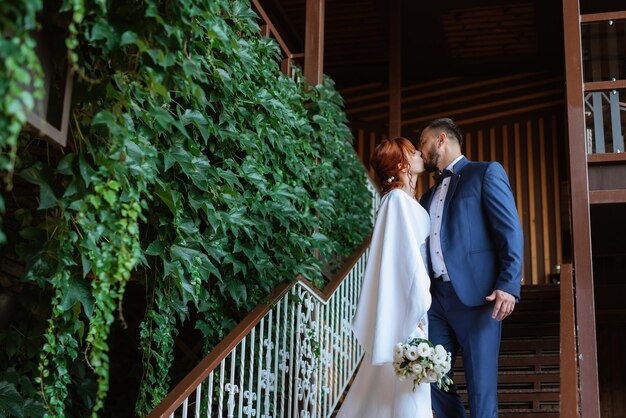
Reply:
x=471 y=329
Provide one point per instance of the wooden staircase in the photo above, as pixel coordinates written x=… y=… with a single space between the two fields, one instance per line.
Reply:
x=528 y=381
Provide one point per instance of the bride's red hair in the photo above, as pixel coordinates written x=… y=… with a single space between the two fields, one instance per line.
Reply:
x=389 y=156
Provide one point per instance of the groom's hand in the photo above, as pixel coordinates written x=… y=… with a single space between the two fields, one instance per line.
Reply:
x=505 y=303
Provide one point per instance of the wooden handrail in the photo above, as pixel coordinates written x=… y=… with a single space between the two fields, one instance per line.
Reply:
x=604 y=85
x=608 y=158
x=199 y=373
x=598 y=197
x=272 y=29
x=602 y=17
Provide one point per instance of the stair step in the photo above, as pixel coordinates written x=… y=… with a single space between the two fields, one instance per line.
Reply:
x=534 y=344
x=535 y=317
x=528 y=379
x=512 y=330
x=527 y=413
x=529 y=360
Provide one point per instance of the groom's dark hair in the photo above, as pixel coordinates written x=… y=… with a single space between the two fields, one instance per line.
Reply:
x=448 y=126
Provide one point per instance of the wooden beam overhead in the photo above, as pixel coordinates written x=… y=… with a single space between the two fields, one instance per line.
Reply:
x=455 y=99
x=495 y=104
x=314 y=42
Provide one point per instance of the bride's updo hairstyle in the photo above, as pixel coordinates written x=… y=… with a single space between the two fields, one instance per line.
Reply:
x=389 y=156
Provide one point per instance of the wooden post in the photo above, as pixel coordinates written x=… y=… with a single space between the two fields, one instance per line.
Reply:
x=395 y=69
x=314 y=42
x=569 y=377
x=581 y=223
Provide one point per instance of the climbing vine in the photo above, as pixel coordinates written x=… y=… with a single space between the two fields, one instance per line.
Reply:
x=20 y=67
x=194 y=169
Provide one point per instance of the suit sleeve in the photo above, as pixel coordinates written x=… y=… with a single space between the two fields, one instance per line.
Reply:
x=506 y=230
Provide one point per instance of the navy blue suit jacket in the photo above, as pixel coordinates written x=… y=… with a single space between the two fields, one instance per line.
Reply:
x=481 y=236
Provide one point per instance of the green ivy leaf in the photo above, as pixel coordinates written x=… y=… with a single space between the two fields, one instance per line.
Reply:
x=86 y=263
x=170 y=197
x=78 y=291
x=86 y=172
x=131 y=38
x=155 y=248
x=33 y=408
x=102 y=30
x=237 y=291
x=10 y=400
x=35 y=174
x=104 y=117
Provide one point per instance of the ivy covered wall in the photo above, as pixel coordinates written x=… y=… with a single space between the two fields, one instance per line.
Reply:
x=195 y=173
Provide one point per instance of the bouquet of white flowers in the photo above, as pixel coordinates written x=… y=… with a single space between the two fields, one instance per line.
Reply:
x=419 y=360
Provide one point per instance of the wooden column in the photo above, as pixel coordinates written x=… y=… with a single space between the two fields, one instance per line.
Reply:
x=314 y=42
x=581 y=223
x=395 y=69
x=568 y=371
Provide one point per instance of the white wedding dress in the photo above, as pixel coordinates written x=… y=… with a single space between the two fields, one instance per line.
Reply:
x=393 y=302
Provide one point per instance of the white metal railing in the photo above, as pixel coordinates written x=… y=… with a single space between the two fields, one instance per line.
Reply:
x=375 y=198
x=291 y=358
x=295 y=362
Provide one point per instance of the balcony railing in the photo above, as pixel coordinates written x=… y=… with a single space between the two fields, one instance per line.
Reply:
x=290 y=357
x=603 y=38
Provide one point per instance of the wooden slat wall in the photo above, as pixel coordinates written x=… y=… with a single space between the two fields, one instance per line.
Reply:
x=527 y=145
x=365 y=142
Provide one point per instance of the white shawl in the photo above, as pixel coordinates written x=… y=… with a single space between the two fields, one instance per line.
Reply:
x=395 y=294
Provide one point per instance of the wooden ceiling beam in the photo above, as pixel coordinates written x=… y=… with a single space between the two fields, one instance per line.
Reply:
x=470 y=119
x=503 y=114
x=376 y=85
x=465 y=87
x=455 y=99
x=449 y=92
x=484 y=106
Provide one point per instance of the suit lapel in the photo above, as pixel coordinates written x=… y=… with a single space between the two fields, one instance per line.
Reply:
x=454 y=182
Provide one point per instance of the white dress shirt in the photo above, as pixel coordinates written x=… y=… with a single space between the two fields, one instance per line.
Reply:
x=436 y=212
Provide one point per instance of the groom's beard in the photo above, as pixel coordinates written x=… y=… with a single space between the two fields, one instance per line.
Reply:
x=430 y=167
x=433 y=159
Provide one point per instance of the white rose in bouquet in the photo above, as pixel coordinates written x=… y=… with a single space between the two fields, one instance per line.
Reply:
x=411 y=353
x=424 y=350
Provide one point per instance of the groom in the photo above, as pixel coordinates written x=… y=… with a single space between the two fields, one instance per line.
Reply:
x=476 y=250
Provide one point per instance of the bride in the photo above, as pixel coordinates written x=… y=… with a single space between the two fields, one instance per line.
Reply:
x=395 y=295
